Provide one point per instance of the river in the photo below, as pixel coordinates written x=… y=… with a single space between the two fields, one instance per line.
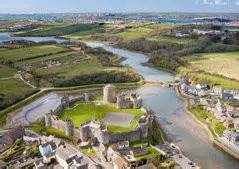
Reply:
x=179 y=126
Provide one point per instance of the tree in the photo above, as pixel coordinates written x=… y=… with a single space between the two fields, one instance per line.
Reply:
x=154 y=135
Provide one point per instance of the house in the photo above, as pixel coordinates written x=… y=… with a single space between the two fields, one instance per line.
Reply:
x=192 y=90
x=39 y=164
x=123 y=145
x=136 y=152
x=181 y=35
x=120 y=163
x=217 y=91
x=47 y=148
x=236 y=123
x=233 y=114
x=220 y=107
x=232 y=136
x=184 y=87
x=69 y=158
x=226 y=96
x=229 y=123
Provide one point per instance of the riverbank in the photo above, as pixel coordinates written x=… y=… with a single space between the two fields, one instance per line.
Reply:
x=213 y=136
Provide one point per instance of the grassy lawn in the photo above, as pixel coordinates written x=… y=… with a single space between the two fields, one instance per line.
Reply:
x=151 y=152
x=139 y=143
x=29 y=52
x=225 y=64
x=88 y=151
x=216 y=127
x=6 y=71
x=86 y=112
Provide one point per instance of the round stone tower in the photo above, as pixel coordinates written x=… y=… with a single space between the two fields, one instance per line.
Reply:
x=69 y=128
x=109 y=94
x=48 y=121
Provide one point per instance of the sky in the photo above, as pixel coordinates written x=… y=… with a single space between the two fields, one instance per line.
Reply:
x=74 y=6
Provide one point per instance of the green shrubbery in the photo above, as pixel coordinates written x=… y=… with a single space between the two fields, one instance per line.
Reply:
x=102 y=77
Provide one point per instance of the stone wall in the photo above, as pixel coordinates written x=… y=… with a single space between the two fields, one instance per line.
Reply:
x=130 y=136
x=96 y=130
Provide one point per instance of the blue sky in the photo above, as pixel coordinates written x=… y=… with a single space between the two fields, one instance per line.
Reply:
x=56 y=6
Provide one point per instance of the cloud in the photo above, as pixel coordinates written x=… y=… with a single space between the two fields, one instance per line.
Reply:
x=220 y=2
x=214 y=2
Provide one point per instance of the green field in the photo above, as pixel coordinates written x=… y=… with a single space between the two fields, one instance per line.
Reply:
x=134 y=33
x=225 y=64
x=85 y=112
x=170 y=39
x=29 y=52
x=59 y=30
x=6 y=71
x=214 y=69
x=13 y=90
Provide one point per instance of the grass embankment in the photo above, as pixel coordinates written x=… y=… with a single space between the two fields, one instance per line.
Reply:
x=85 y=112
x=214 y=125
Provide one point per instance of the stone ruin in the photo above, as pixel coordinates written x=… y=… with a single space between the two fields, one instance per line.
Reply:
x=109 y=93
x=65 y=101
x=94 y=132
x=69 y=128
x=123 y=101
x=127 y=102
x=52 y=121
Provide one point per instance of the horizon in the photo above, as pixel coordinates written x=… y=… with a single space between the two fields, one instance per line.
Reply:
x=118 y=6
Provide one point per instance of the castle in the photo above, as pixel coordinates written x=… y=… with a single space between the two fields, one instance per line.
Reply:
x=95 y=132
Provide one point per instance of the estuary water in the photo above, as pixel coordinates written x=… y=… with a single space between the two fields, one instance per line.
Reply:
x=179 y=126
x=4 y=37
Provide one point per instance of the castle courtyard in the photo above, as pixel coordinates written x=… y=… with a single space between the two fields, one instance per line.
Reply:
x=118 y=119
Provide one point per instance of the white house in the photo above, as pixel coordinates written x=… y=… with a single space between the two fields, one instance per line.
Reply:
x=69 y=158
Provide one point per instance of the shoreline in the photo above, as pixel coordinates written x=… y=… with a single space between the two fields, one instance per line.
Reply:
x=213 y=139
